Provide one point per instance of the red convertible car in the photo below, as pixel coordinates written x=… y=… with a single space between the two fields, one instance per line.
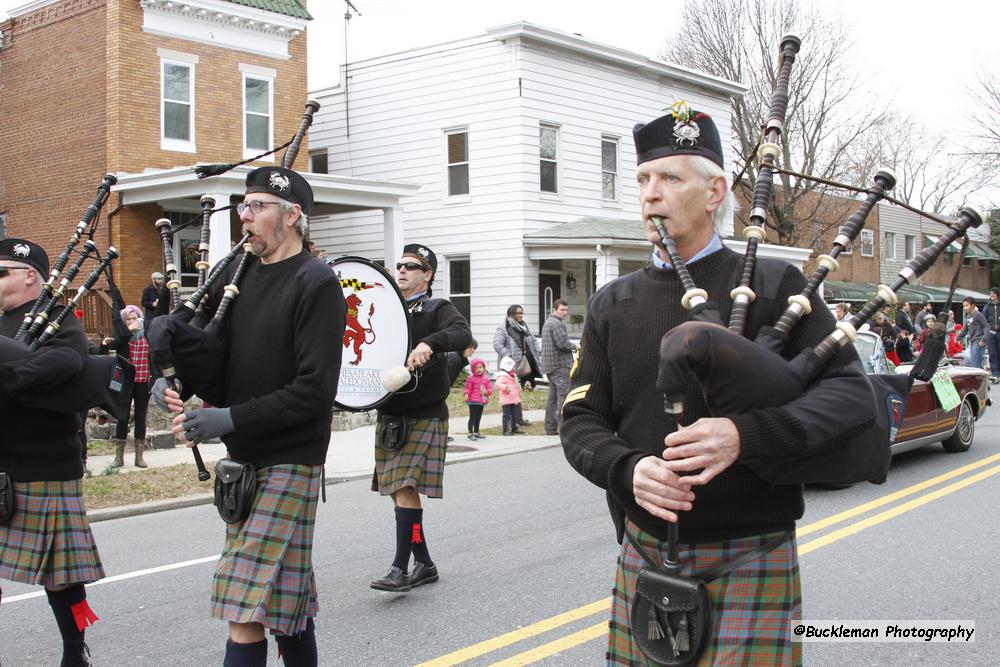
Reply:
x=925 y=423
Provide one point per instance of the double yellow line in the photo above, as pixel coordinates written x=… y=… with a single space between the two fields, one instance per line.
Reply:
x=601 y=606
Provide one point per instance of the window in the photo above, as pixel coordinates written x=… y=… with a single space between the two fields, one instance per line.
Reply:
x=609 y=169
x=3 y=226
x=867 y=243
x=186 y=245
x=256 y=115
x=949 y=258
x=910 y=242
x=460 y=286
x=966 y=261
x=548 y=154
x=458 y=162
x=889 y=246
x=177 y=106
x=318 y=162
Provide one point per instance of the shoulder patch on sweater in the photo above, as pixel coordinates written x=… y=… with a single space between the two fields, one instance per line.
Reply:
x=577 y=394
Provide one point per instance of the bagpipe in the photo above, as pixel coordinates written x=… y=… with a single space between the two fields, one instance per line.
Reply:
x=102 y=381
x=186 y=346
x=737 y=375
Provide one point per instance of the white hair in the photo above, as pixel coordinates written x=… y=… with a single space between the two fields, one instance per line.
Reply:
x=302 y=224
x=722 y=218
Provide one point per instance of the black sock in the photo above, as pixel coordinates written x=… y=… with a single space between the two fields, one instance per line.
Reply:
x=62 y=603
x=299 y=650
x=245 y=655
x=405 y=518
x=418 y=539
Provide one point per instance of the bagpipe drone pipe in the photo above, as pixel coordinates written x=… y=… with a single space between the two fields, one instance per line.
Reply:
x=91 y=381
x=186 y=346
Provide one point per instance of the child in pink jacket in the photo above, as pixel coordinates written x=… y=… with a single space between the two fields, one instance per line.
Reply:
x=478 y=390
x=510 y=395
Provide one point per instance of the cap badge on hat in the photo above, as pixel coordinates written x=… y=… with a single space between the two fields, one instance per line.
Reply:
x=21 y=250
x=278 y=181
x=686 y=131
x=423 y=252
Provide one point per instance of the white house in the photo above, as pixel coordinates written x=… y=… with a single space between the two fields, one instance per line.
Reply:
x=520 y=140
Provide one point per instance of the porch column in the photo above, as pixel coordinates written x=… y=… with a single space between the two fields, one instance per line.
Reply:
x=607 y=265
x=392 y=236
x=220 y=241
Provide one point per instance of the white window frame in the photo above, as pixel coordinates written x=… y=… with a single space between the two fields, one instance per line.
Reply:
x=889 y=245
x=605 y=138
x=190 y=62
x=251 y=152
x=451 y=292
x=909 y=246
x=555 y=161
x=867 y=238
x=463 y=196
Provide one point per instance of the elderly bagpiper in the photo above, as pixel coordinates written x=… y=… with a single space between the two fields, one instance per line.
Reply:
x=278 y=384
x=412 y=430
x=45 y=538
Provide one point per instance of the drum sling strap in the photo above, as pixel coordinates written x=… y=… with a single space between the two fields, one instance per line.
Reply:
x=676 y=609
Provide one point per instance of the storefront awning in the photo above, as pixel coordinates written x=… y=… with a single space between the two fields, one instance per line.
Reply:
x=975 y=249
x=954 y=246
x=836 y=290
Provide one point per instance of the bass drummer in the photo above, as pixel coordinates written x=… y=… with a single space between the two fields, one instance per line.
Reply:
x=412 y=433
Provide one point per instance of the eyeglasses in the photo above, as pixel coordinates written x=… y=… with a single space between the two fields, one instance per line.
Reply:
x=4 y=270
x=255 y=206
x=410 y=266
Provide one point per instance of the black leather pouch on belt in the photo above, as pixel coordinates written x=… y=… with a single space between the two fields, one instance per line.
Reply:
x=391 y=432
x=6 y=498
x=235 y=488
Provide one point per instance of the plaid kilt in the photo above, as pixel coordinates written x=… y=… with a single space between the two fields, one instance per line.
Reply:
x=752 y=606
x=265 y=573
x=48 y=542
x=419 y=463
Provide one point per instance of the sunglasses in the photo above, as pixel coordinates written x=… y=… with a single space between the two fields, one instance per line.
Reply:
x=411 y=266
x=4 y=270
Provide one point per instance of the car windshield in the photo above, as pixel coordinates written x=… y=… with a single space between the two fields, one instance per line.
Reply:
x=869 y=349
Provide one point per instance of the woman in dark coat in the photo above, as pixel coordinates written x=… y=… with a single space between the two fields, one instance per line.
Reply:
x=514 y=339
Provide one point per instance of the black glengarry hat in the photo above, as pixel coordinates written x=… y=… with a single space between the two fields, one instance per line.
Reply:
x=26 y=252
x=423 y=254
x=284 y=183
x=680 y=132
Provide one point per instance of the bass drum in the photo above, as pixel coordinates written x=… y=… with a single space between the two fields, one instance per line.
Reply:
x=377 y=332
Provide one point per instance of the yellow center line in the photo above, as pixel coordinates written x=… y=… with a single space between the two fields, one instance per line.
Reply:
x=520 y=634
x=532 y=656
x=588 y=634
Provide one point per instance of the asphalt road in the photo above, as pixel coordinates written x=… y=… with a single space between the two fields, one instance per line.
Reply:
x=526 y=553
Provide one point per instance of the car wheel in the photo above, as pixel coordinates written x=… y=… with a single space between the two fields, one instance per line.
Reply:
x=965 y=429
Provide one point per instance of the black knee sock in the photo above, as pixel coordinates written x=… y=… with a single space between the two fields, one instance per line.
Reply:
x=418 y=539
x=245 y=655
x=72 y=612
x=405 y=519
x=299 y=650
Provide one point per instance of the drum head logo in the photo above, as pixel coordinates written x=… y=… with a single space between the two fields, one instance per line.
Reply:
x=279 y=181
x=356 y=333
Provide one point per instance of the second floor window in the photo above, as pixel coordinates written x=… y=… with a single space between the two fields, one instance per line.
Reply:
x=911 y=246
x=889 y=246
x=609 y=169
x=458 y=163
x=548 y=140
x=256 y=114
x=318 y=163
x=867 y=243
x=177 y=104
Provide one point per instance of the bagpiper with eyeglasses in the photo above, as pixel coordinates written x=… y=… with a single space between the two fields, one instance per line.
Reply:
x=44 y=534
x=412 y=431
x=279 y=379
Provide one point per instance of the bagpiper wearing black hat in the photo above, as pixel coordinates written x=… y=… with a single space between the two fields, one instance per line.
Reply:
x=614 y=423
x=412 y=431
x=46 y=539
x=278 y=386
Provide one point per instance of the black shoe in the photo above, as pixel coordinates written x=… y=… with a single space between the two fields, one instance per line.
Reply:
x=396 y=581
x=552 y=433
x=523 y=422
x=507 y=433
x=423 y=574
x=75 y=654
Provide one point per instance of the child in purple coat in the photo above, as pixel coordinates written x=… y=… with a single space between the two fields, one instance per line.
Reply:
x=478 y=390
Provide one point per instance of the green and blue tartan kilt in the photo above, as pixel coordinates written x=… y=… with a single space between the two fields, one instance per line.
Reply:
x=265 y=573
x=48 y=542
x=752 y=606
x=419 y=463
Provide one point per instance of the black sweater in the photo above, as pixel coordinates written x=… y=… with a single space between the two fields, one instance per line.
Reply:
x=39 y=444
x=437 y=323
x=283 y=342
x=621 y=419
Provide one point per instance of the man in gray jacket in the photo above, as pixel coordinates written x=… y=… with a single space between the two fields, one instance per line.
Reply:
x=557 y=359
x=974 y=332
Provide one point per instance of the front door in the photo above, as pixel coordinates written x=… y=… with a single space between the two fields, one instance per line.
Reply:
x=549 y=289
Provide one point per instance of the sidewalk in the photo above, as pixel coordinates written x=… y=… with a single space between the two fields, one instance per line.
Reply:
x=351 y=456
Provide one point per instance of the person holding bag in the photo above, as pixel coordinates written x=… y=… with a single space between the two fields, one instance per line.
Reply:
x=135 y=347
x=514 y=339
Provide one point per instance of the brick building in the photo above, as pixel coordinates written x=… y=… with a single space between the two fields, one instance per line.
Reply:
x=145 y=89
